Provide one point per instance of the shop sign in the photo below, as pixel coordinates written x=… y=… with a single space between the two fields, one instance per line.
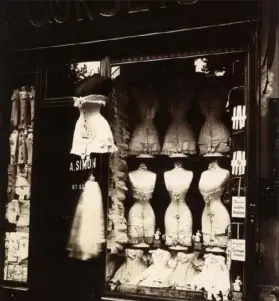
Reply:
x=238 y=206
x=238 y=250
x=82 y=164
x=40 y=14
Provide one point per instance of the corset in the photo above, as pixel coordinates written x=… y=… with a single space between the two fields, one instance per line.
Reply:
x=12 y=211
x=178 y=222
x=22 y=152
x=22 y=187
x=211 y=196
x=141 y=219
x=145 y=139
x=15 y=108
x=214 y=138
x=13 y=146
x=23 y=220
x=29 y=147
x=141 y=196
x=215 y=220
x=179 y=139
x=23 y=98
x=92 y=132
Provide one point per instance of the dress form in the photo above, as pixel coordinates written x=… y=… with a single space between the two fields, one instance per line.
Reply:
x=178 y=217
x=141 y=218
x=179 y=140
x=145 y=139
x=214 y=137
x=215 y=216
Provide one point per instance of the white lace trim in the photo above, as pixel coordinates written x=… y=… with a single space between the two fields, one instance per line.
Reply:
x=93 y=98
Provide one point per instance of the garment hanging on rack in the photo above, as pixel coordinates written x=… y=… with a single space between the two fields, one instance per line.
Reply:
x=87 y=232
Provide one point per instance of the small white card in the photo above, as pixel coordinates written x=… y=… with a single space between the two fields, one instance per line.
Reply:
x=238 y=249
x=239 y=206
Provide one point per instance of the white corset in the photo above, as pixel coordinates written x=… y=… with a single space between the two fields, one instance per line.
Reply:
x=179 y=139
x=178 y=222
x=92 y=131
x=145 y=138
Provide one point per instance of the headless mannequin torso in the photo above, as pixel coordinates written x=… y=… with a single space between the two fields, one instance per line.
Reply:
x=215 y=217
x=141 y=219
x=178 y=217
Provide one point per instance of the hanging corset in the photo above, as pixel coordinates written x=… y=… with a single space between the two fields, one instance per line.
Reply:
x=15 y=109
x=141 y=219
x=13 y=147
x=93 y=137
x=178 y=222
x=22 y=152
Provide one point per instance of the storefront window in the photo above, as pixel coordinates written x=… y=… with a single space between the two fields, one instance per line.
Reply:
x=176 y=213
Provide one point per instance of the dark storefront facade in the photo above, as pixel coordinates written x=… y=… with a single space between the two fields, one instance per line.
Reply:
x=181 y=195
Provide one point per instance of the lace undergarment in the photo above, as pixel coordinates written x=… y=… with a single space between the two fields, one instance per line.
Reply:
x=141 y=219
x=179 y=139
x=159 y=271
x=93 y=137
x=214 y=138
x=133 y=266
x=178 y=222
x=215 y=219
x=145 y=138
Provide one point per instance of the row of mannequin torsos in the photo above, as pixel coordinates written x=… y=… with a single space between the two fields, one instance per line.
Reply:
x=178 y=219
x=180 y=138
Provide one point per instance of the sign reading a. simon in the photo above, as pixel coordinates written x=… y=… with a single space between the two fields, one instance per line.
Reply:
x=40 y=14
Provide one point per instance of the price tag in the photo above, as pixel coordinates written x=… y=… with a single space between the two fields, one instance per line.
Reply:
x=238 y=250
x=239 y=206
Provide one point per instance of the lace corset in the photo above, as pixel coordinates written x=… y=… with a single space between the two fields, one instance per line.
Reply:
x=178 y=196
x=213 y=195
x=92 y=131
x=179 y=139
x=141 y=218
x=214 y=138
x=142 y=196
x=145 y=138
x=178 y=221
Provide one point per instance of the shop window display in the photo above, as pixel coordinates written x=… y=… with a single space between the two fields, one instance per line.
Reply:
x=170 y=219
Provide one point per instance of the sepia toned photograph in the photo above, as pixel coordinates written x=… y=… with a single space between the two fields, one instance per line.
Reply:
x=139 y=150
